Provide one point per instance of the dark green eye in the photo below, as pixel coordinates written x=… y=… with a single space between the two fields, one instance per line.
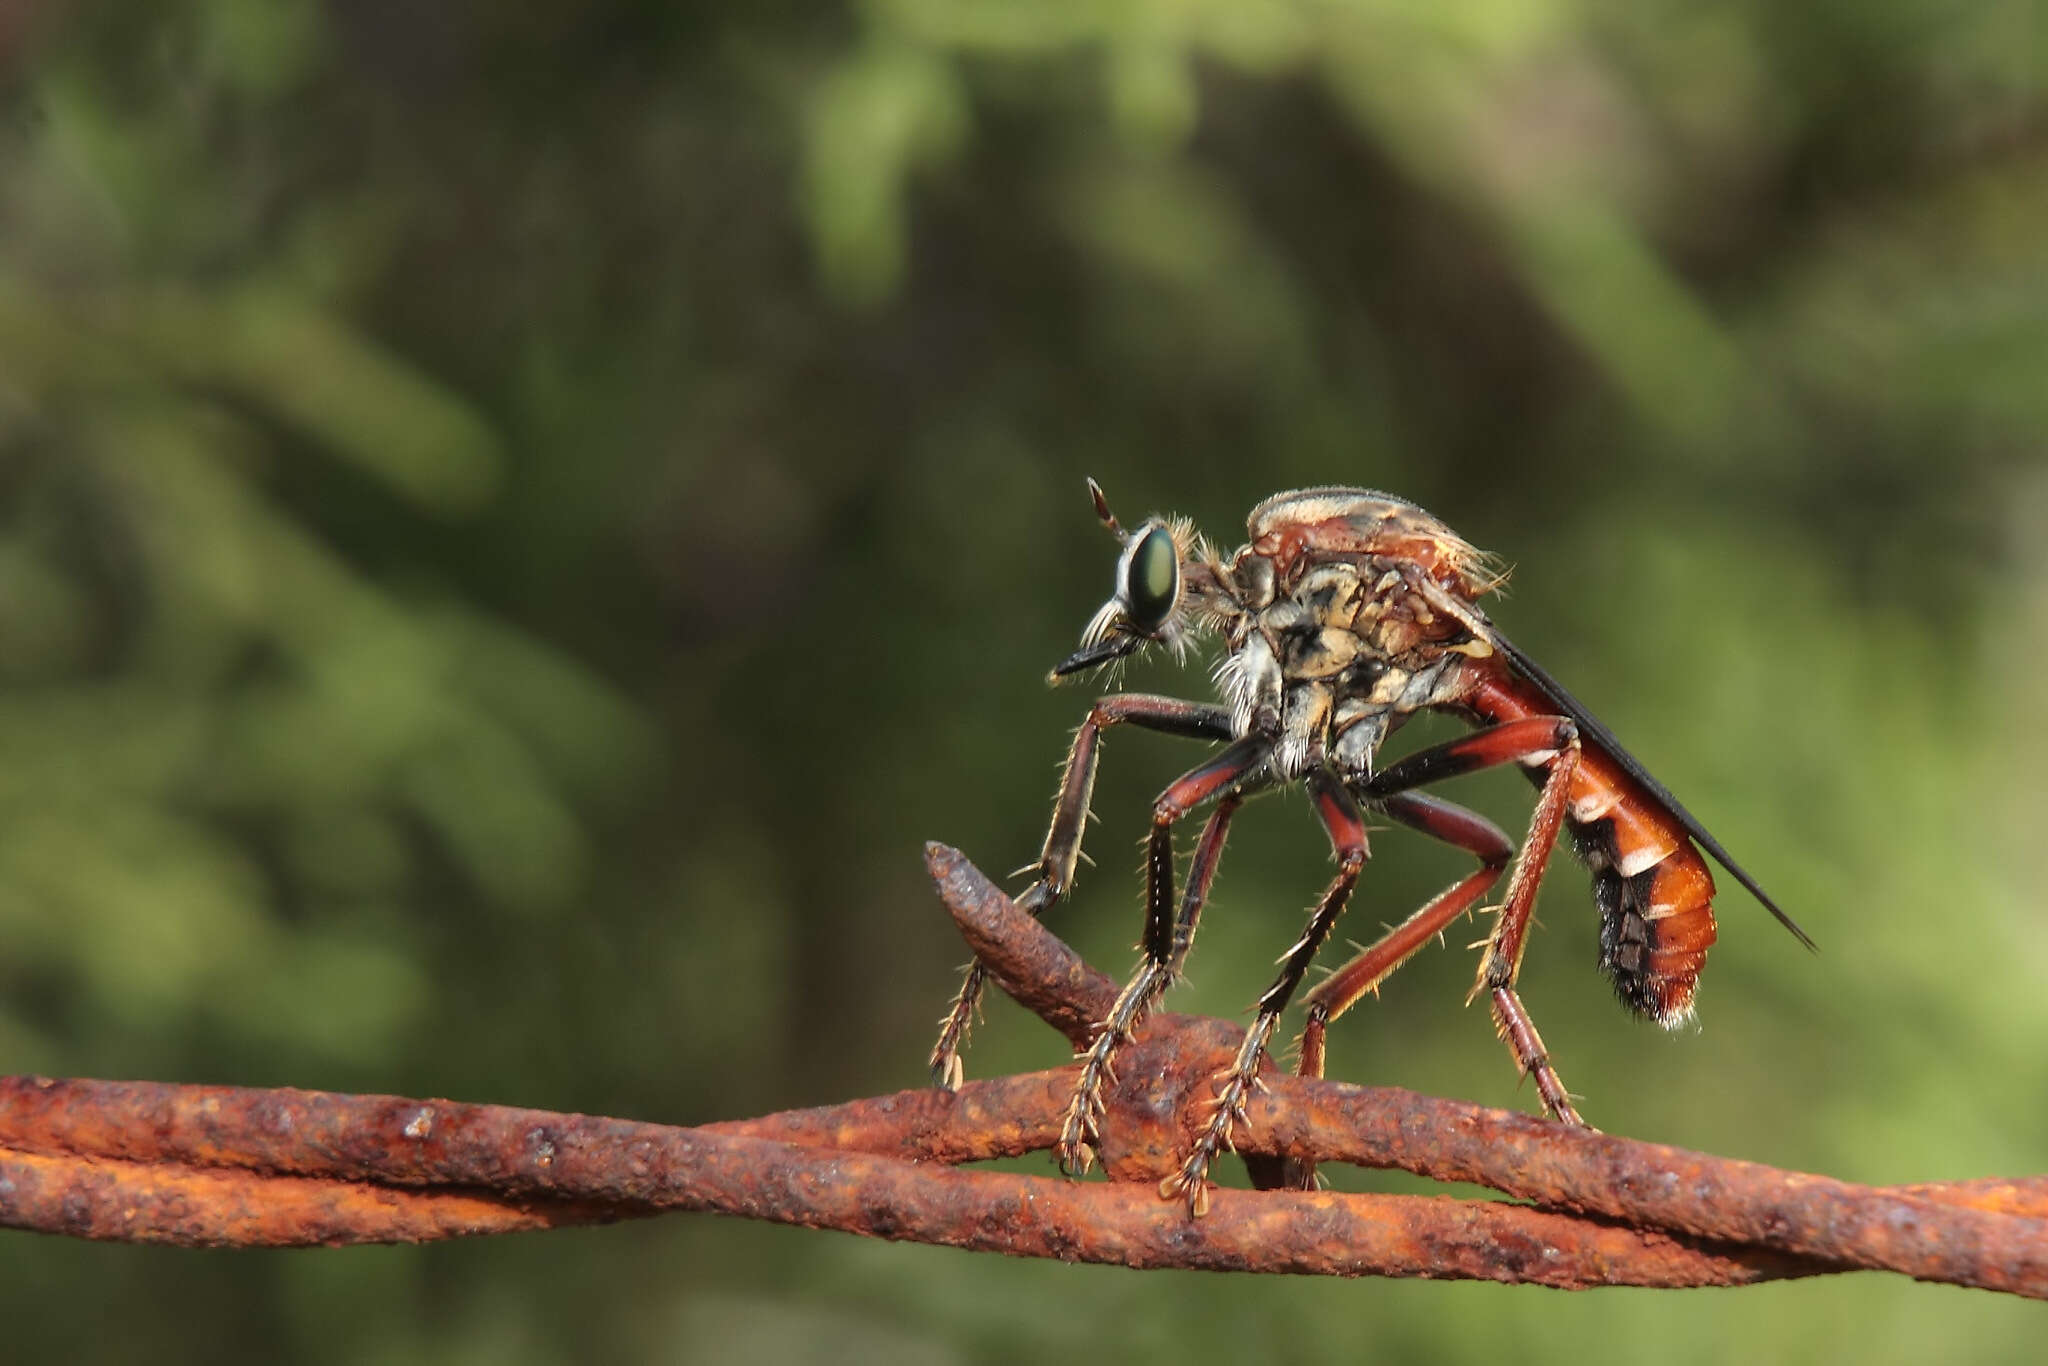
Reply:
x=1152 y=580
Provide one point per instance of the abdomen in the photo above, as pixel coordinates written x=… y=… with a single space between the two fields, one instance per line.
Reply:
x=1655 y=894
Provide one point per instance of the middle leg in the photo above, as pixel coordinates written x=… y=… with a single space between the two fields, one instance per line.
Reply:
x=1346 y=827
x=1345 y=987
x=1452 y=824
x=1226 y=778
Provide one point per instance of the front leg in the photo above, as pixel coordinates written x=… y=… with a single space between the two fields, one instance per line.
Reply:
x=1056 y=861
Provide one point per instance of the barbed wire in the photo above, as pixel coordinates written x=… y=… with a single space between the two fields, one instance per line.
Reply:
x=223 y=1166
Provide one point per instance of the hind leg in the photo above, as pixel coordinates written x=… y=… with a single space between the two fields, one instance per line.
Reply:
x=1553 y=743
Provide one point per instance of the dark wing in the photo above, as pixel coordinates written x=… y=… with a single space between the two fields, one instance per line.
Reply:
x=1601 y=738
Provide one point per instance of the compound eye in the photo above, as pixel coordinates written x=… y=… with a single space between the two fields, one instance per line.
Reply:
x=1152 y=580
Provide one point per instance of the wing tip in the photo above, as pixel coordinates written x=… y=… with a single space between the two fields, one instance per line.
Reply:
x=1777 y=913
x=1604 y=739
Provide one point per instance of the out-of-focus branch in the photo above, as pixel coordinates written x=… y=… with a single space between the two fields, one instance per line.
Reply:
x=196 y=1165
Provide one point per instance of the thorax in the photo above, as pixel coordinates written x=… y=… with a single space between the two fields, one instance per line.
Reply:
x=1328 y=654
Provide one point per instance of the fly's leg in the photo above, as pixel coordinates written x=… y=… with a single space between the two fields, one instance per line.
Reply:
x=1340 y=816
x=1055 y=866
x=1502 y=963
x=1468 y=830
x=1453 y=824
x=1167 y=936
x=1551 y=743
x=1165 y=949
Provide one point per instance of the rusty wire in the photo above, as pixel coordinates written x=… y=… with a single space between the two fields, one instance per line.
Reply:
x=222 y=1166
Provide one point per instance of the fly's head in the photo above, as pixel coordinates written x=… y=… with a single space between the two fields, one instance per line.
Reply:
x=1164 y=592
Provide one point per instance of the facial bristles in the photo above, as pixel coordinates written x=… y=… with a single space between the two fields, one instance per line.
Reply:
x=1104 y=621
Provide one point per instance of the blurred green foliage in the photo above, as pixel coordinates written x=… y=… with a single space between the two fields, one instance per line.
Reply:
x=515 y=523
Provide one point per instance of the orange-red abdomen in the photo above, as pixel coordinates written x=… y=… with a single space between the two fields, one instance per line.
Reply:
x=1655 y=894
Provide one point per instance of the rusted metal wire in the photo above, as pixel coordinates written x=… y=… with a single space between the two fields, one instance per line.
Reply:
x=199 y=1165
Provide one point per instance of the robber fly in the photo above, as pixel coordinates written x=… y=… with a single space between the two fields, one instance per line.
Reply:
x=1345 y=613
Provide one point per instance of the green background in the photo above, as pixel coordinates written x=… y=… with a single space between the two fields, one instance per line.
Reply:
x=517 y=522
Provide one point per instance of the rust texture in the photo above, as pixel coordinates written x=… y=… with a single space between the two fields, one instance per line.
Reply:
x=222 y=1166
